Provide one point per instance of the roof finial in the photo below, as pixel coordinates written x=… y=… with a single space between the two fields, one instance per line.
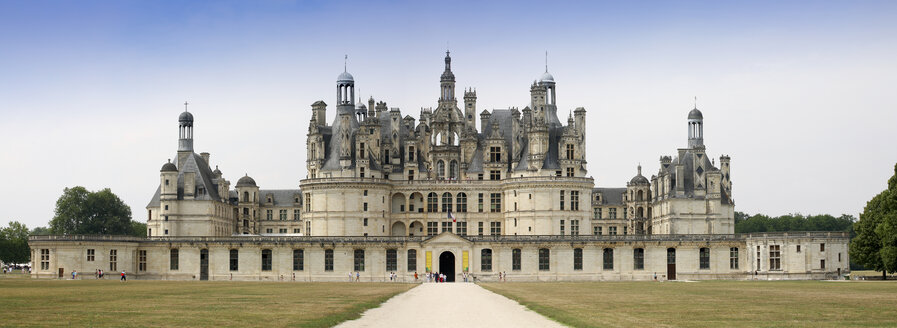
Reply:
x=345 y=63
x=639 y=168
x=546 y=61
x=185 y=106
x=696 y=102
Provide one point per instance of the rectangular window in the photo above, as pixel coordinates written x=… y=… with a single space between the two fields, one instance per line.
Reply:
x=625 y=230
x=359 y=260
x=570 y=151
x=432 y=228
x=570 y=172
x=282 y=230
x=392 y=261
x=174 y=262
x=361 y=172
x=266 y=260
x=446 y=226
x=44 y=259
x=479 y=176
x=462 y=203
x=361 y=150
x=141 y=260
x=598 y=231
x=365 y=207
x=269 y=230
x=480 y=229
x=775 y=257
x=574 y=227
x=364 y=222
x=90 y=255
x=574 y=200
x=480 y=203
x=296 y=214
x=494 y=175
x=486 y=260
x=733 y=258
x=612 y=213
x=562 y=200
x=328 y=260
x=283 y=215
x=598 y=213
x=612 y=231
x=113 y=260
x=410 y=175
x=412 y=260
x=234 y=260
x=822 y=247
x=495 y=228
x=461 y=229
x=577 y=259
x=298 y=260
x=705 y=258
x=308 y=202
x=515 y=259
x=308 y=228
x=822 y=264
x=297 y=230
x=269 y=214
x=495 y=202
x=495 y=154
x=638 y=259
x=562 y=227
x=798 y=248
x=411 y=154
x=544 y=259
x=608 y=259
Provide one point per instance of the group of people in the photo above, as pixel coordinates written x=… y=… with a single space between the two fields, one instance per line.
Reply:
x=393 y=277
x=502 y=276
x=24 y=269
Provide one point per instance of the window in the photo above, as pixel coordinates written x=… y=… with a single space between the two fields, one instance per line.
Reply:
x=365 y=207
x=440 y=170
x=798 y=248
x=296 y=214
x=410 y=175
x=269 y=230
x=486 y=260
x=462 y=203
x=705 y=258
x=480 y=203
x=562 y=200
x=479 y=176
x=822 y=247
x=495 y=202
x=598 y=231
x=446 y=202
x=570 y=172
x=411 y=156
x=328 y=260
x=775 y=257
x=141 y=260
x=733 y=258
x=282 y=230
x=494 y=175
x=308 y=228
x=269 y=214
x=608 y=259
x=391 y=260
x=495 y=228
x=173 y=259
x=461 y=229
x=234 y=260
x=44 y=259
x=298 y=260
x=113 y=260
x=544 y=258
x=495 y=154
x=446 y=226
x=283 y=215
x=432 y=202
x=625 y=230
x=574 y=200
x=90 y=255
x=308 y=202
x=612 y=213
x=598 y=213
x=359 y=260
x=570 y=151
x=412 y=260
x=364 y=222
x=612 y=231
x=515 y=259
x=574 y=227
x=432 y=228
x=361 y=172
x=266 y=260
x=297 y=230
x=562 y=227
x=638 y=259
x=480 y=230
x=822 y=264
x=577 y=259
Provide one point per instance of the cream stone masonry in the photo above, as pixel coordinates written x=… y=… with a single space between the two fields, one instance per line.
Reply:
x=387 y=192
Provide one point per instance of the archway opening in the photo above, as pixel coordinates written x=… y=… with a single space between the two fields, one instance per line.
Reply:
x=447 y=265
x=398 y=229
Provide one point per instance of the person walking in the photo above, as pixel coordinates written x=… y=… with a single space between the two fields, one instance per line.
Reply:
x=74 y=274
x=123 y=277
x=357 y=276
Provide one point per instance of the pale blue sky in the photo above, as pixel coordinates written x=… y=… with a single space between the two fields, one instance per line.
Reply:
x=799 y=94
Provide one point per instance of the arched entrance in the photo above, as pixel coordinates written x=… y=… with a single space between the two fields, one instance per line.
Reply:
x=447 y=265
x=398 y=229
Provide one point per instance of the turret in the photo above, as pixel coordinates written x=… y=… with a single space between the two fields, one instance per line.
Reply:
x=470 y=107
x=185 y=135
x=695 y=128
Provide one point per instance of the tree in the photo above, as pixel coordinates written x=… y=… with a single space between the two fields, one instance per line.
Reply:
x=79 y=211
x=138 y=229
x=41 y=231
x=14 y=243
x=875 y=244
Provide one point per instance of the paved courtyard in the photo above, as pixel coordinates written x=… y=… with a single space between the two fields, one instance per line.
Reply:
x=450 y=305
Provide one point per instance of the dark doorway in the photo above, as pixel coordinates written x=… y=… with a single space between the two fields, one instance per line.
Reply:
x=204 y=264
x=447 y=266
x=671 y=264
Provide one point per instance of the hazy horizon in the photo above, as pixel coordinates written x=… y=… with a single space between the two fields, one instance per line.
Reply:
x=799 y=94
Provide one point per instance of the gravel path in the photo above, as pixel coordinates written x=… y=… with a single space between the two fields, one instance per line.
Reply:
x=450 y=305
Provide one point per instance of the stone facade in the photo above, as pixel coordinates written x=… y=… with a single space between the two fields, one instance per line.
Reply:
x=514 y=192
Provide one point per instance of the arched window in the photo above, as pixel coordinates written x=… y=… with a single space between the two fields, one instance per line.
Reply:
x=432 y=202
x=453 y=170
x=440 y=170
x=640 y=196
x=245 y=196
x=446 y=202
x=462 y=203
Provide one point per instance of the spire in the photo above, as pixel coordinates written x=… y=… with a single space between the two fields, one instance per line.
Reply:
x=639 y=168
x=185 y=106
x=345 y=63
x=696 y=102
x=546 y=61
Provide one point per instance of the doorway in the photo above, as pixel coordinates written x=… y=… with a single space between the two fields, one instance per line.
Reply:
x=447 y=265
x=204 y=264
x=671 y=264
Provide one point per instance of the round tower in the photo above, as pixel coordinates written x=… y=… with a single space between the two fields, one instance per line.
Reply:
x=695 y=128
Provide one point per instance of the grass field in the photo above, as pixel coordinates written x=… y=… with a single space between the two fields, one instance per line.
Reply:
x=110 y=303
x=710 y=303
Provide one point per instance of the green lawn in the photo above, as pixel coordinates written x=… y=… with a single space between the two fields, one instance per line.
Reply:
x=710 y=303
x=110 y=303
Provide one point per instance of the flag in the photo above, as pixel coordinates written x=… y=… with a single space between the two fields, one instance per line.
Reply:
x=450 y=216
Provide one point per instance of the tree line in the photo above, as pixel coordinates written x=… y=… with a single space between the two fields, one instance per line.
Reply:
x=745 y=223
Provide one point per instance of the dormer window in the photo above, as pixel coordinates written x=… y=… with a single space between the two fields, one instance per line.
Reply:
x=495 y=154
